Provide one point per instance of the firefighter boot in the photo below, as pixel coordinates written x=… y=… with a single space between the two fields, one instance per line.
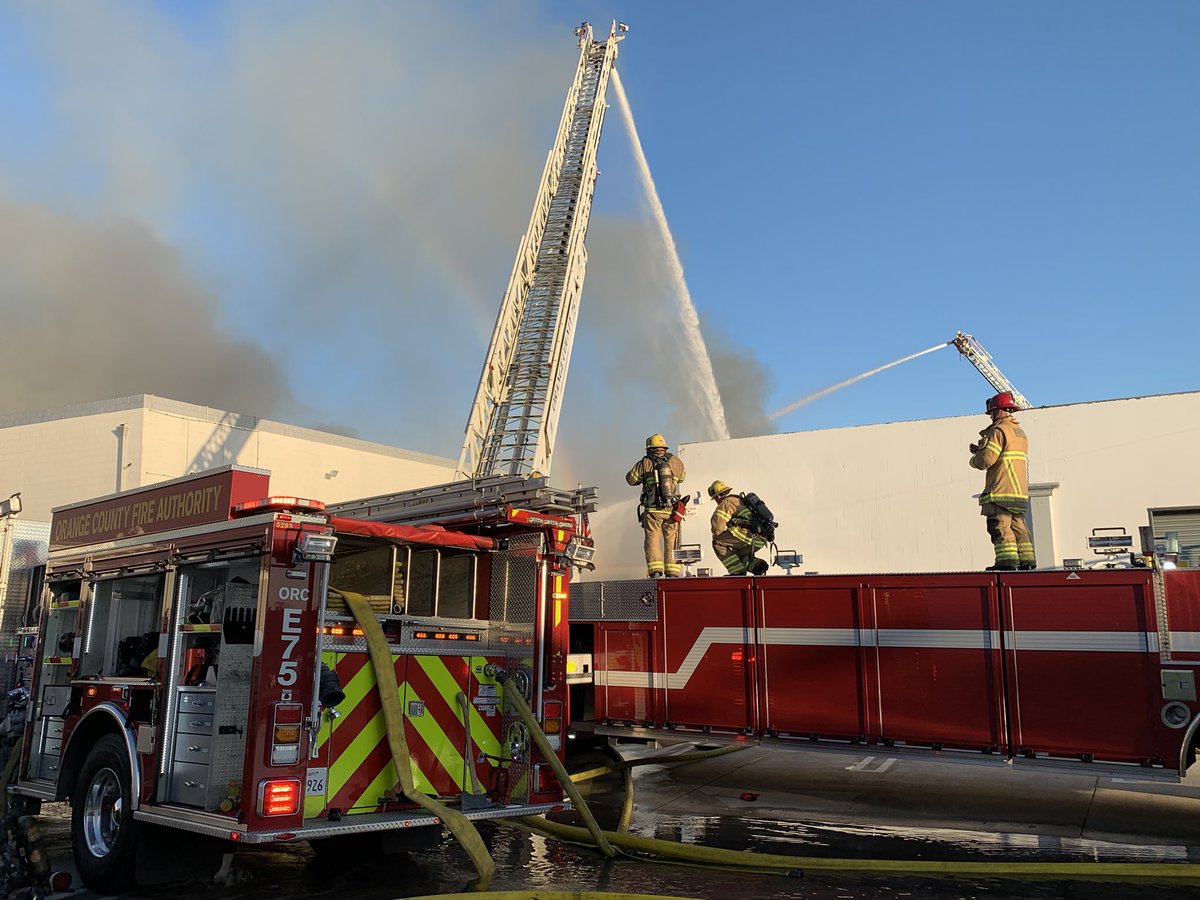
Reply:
x=759 y=566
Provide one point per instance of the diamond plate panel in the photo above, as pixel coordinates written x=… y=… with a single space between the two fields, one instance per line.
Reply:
x=230 y=721
x=635 y=600
x=232 y=714
x=28 y=543
x=512 y=595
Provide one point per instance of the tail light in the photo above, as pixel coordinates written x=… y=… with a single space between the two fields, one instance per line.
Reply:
x=279 y=797
x=552 y=722
x=285 y=734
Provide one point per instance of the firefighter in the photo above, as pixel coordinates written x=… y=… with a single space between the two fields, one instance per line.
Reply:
x=660 y=474
x=733 y=540
x=1001 y=453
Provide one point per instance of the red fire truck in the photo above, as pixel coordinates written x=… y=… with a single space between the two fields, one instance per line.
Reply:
x=1064 y=668
x=199 y=674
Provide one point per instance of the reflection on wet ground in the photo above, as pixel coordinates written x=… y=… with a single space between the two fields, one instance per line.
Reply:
x=530 y=862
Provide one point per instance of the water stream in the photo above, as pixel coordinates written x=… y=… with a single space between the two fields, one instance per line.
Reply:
x=709 y=396
x=841 y=384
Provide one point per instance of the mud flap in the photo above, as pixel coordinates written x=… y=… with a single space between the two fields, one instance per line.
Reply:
x=166 y=855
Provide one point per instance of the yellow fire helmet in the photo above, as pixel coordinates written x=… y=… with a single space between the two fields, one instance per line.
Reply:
x=656 y=440
x=718 y=489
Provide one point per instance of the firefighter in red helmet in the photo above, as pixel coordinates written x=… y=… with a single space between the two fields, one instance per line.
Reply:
x=1001 y=452
x=659 y=473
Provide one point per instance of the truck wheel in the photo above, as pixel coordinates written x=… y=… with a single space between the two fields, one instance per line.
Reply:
x=102 y=826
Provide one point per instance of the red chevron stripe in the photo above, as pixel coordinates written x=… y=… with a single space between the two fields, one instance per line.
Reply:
x=437 y=707
x=356 y=719
x=350 y=797
x=349 y=726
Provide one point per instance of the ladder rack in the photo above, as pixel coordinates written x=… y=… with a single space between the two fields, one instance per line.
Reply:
x=474 y=501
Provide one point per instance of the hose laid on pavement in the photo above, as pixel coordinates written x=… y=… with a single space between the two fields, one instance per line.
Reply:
x=551 y=895
x=389 y=695
x=1172 y=873
x=625 y=766
x=512 y=696
x=472 y=843
x=661 y=759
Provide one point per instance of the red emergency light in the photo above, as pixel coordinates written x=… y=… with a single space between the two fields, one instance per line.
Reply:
x=279 y=797
x=277 y=504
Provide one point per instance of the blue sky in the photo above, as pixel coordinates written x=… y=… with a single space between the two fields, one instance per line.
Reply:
x=309 y=211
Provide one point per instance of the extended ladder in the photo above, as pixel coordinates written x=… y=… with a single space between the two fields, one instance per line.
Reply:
x=981 y=360
x=512 y=424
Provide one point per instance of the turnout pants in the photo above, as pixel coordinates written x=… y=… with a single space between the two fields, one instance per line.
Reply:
x=662 y=537
x=1010 y=538
x=735 y=548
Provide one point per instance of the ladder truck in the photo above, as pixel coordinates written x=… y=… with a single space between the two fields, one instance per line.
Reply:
x=982 y=360
x=206 y=676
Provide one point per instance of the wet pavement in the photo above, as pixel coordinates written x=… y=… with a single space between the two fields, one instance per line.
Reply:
x=778 y=802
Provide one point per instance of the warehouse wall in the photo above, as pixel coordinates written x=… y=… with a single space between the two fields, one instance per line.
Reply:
x=76 y=453
x=901 y=497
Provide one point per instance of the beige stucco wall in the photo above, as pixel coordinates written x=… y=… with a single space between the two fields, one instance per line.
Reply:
x=75 y=453
x=898 y=497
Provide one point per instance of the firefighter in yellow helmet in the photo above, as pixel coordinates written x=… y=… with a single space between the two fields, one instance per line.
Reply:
x=733 y=540
x=659 y=473
x=1001 y=451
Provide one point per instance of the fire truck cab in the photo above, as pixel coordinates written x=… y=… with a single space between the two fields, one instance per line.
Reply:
x=200 y=675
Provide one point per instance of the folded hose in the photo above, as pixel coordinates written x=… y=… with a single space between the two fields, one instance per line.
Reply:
x=389 y=695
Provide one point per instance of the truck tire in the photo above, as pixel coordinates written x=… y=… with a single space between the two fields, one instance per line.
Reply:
x=102 y=826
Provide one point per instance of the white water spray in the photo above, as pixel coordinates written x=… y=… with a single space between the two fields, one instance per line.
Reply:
x=841 y=384
x=710 y=397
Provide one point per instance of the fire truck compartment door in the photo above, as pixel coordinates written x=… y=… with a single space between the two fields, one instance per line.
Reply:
x=54 y=700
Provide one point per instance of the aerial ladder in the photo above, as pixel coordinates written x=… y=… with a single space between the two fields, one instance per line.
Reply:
x=506 y=454
x=982 y=360
x=511 y=428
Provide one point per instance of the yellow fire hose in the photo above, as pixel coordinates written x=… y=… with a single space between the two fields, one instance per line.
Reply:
x=744 y=860
x=466 y=834
x=517 y=702
x=625 y=766
x=1173 y=873
x=550 y=895
x=389 y=694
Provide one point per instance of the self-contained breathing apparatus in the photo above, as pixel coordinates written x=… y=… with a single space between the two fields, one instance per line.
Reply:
x=762 y=520
x=661 y=492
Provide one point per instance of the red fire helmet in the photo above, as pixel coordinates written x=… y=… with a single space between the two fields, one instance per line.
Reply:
x=1003 y=400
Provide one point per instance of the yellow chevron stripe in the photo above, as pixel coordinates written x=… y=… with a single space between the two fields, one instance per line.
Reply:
x=427 y=727
x=355 y=753
x=481 y=734
x=420 y=779
x=314 y=804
